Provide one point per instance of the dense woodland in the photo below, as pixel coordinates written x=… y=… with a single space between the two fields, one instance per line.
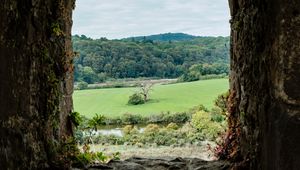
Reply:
x=161 y=56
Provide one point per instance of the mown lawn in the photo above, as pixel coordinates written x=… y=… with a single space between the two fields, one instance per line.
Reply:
x=174 y=98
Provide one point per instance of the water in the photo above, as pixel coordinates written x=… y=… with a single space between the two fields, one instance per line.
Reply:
x=115 y=130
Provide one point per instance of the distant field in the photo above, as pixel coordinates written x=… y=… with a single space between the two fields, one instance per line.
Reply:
x=174 y=98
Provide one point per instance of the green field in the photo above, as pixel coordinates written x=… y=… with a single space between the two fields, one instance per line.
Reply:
x=174 y=98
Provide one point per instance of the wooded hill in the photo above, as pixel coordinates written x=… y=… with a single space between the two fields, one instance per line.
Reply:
x=163 y=56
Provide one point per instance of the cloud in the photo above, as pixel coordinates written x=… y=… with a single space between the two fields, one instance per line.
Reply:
x=124 y=18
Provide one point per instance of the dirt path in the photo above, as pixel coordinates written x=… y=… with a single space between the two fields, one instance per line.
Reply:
x=201 y=152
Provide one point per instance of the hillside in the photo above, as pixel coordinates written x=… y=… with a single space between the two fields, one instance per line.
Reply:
x=164 y=37
x=102 y=59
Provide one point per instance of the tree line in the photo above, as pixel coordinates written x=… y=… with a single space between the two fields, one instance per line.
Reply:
x=102 y=59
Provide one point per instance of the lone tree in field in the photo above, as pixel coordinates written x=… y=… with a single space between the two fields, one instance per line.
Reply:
x=145 y=88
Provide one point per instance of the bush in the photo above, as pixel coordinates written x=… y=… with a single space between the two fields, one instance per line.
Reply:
x=108 y=139
x=217 y=115
x=129 y=130
x=152 y=128
x=82 y=85
x=136 y=99
x=200 y=107
x=221 y=102
x=131 y=119
x=172 y=126
x=96 y=121
x=202 y=121
x=180 y=117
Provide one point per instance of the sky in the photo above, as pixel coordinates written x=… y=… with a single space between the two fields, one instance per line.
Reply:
x=116 y=19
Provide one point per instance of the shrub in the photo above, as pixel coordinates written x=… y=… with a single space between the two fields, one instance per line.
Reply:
x=82 y=85
x=96 y=121
x=221 y=102
x=180 y=117
x=131 y=119
x=113 y=121
x=81 y=160
x=152 y=128
x=108 y=139
x=136 y=99
x=129 y=130
x=217 y=115
x=79 y=137
x=200 y=107
x=156 y=118
x=202 y=121
x=75 y=118
x=172 y=126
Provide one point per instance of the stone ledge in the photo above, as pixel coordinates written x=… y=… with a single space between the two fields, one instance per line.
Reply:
x=137 y=163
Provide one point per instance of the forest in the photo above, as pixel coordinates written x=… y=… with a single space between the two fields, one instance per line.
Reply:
x=170 y=55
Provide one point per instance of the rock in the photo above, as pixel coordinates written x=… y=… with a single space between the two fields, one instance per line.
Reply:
x=137 y=163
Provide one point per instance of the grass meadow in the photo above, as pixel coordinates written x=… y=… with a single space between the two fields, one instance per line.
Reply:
x=178 y=97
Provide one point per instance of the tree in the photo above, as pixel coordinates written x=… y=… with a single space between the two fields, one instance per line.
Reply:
x=88 y=75
x=128 y=59
x=82 y=85
x=264 y=100
x=145 y=88
x=36 y=83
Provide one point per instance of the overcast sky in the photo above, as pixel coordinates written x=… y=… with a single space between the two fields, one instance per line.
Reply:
x=126 y=18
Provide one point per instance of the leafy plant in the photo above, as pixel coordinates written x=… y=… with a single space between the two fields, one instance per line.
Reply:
x=202 y=121
x=87 y=157
x=96 y=121
x=136 y=99
x=75 y=118
x=172 y=126
x=152 y=128
x=131 y=119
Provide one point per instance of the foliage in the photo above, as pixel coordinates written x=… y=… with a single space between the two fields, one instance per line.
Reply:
x=179 y=117
x=151 y=128
x=67 y=152
x=154 y=135
x=221 y=102
x=205 y=71
x=127 y=129
x=101 y=59
x=81 y=160
x=217 y=115
x=202 y=121
x=172 y=126
x=96 y=121
x=82 y=85
x=145 y=88
x=75 y=118
x=131 y=119
x=197 y=108
x=136 y=99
